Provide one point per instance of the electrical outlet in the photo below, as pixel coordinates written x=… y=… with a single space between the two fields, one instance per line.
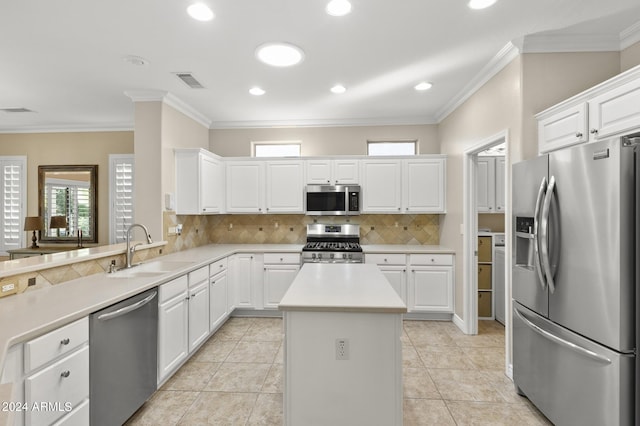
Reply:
x=8 y=287
x=342 y=349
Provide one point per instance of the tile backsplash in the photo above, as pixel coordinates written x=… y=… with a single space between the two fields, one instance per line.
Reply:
x=292 y=229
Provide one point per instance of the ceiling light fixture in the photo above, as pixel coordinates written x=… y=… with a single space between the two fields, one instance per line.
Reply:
x=200 y=12
x=423 y=86
x=338 y=89
x=480 y=4
x=256 y=91
x=279 y=54
x=338 y=7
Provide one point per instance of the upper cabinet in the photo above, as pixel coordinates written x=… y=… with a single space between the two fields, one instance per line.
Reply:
x=199 y=182
x=490 y=185
x=404 y=186
x=245 y=186
x=255 y=186
x=609 y=109
x=325 y=171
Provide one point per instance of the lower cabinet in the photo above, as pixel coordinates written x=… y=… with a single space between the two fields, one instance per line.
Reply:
x=50 y=375
x=173 y=326
x=247 y=280
x=218 y=295
x=280 y=269
x=394 y=268
x=430 y=283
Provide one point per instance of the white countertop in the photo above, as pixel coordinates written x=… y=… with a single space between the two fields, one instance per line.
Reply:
x=405 y=248
x=341 y=287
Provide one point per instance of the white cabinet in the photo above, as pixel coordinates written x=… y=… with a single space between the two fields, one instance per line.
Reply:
x=173 y=326
x=284 y=186
x=247 y=280
x=611 y=108
x=198 y=307
x=325 y=171
x=404 y=186
x=490 y=184
x=431 y=283
x=245 y=186
x=199 y=182
x=565 y=128
x=57 y=374
x=279 y=271
x=616 y=111
x=394 y=268
x=381 y=186
x=218 y=294
x=423 y=185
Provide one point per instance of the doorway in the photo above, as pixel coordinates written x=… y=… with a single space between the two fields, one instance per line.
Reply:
x=479 y=214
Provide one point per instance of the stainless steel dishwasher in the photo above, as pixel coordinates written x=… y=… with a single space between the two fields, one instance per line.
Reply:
x=123 y=348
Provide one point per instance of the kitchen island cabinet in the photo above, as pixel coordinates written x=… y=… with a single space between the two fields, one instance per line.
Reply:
x=343 y=349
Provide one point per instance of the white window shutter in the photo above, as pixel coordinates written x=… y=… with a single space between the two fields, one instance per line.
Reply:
x=13 y=194
x=121 y=194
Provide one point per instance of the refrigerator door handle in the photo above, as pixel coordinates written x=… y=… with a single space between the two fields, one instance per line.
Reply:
x=579 y=349
x=544 y=234
x=536 y=235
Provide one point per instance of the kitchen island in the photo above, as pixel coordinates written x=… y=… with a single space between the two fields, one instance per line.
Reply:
x=343 y=353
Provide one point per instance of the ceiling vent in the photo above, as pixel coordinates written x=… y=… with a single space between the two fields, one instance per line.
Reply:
x=188 y=79
x=19 y=109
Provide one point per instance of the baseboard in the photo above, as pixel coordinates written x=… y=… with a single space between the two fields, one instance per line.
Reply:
x=459 y=322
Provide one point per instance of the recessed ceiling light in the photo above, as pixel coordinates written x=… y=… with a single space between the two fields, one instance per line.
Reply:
x=256 y=91
x=480 y=4
x=423 y=86
x=200 y=12
x=338 y=89
x=338 y=7
x=279 y=54
x=135 y=60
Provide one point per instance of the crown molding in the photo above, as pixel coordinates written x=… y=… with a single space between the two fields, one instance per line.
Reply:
x=171 y=100
x=630 y=36
x=70 y=128
x=503 y=58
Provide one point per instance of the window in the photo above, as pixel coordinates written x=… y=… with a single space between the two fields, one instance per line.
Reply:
x=392 y=147
x=68 y=198
x=276 y=149
x=121 y=201
x=13 y=183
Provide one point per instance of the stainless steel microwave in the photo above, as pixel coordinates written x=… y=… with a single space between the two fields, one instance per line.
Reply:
x=332 y=200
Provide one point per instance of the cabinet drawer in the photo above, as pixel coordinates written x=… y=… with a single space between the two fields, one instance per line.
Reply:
x=282 y=258
x=431 y=259
x=173 y=288
x=198 y=276
x=66 y=381
x=484 y=304
x=44 y=349
x=79 y=416
x=218 y=266
x=484 y=277
x=386 y=258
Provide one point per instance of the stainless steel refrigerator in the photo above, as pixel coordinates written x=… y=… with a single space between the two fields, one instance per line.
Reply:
x=576 y=214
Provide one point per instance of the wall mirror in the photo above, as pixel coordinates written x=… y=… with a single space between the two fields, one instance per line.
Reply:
x=67 y=201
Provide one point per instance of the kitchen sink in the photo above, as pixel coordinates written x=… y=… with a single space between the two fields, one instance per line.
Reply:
x=151 y=269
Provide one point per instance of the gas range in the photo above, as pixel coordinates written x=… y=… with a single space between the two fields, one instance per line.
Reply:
x=332 y=244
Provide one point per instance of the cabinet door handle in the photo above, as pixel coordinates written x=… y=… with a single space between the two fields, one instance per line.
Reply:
x=65 y=341
x=578 y=135
x=593 y=131
x=65 y=374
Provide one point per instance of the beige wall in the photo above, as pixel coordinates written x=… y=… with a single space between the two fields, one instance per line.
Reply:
x=630 y=57
x=549 y=78
x=492 y=109
x=322 y=140
x=69 y=148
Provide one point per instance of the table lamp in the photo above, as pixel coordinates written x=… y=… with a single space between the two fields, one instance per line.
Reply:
x=33 y=223
x=58 y=222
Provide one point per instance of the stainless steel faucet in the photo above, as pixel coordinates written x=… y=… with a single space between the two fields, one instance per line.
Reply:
x=131 y=250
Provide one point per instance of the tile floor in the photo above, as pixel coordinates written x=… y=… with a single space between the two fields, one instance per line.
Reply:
x=236 y=379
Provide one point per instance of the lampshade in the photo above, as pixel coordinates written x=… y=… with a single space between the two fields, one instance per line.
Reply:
x=58 y=222
x=33 y=223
